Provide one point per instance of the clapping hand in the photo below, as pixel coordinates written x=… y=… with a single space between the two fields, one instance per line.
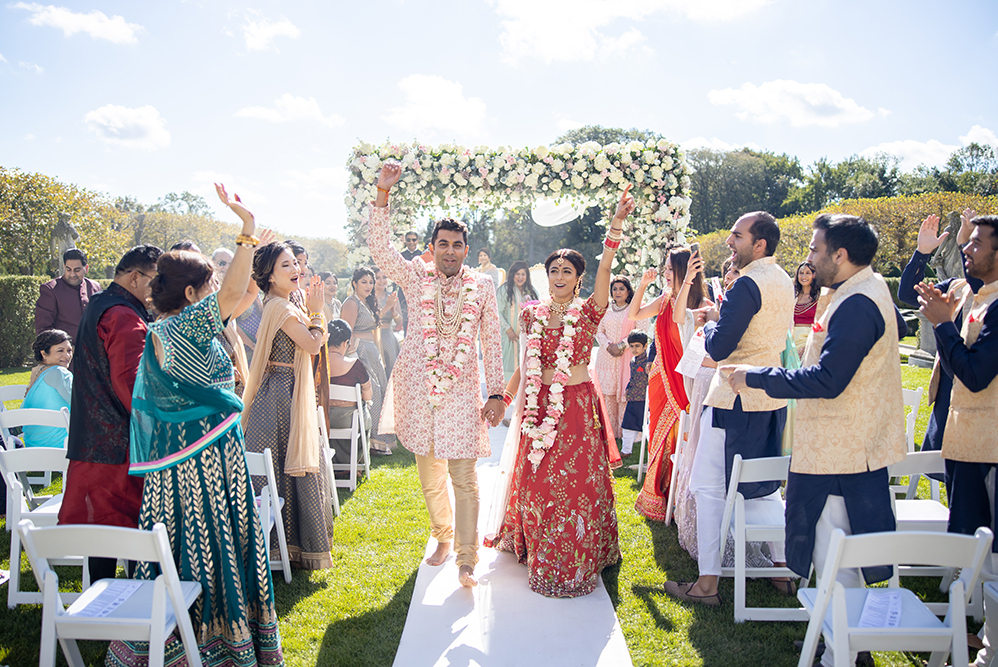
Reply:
x=735 y=375
x=706 y=314
x=267 y=236
x=315 y=295
x=966 y=229
x=936 y=306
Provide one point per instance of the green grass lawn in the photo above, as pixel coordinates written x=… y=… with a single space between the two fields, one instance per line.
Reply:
x=353 y=614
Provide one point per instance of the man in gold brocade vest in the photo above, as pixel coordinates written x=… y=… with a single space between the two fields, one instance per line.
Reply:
x=850 y=408
x=751 y=328
x=970 y=445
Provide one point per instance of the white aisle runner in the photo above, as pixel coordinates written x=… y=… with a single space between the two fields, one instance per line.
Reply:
x=501 y=622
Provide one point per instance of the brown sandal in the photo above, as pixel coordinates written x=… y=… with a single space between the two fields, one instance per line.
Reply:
x=681 y=590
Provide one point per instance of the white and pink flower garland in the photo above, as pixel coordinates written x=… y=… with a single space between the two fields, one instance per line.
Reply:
x=440 y=374
x=541 y=435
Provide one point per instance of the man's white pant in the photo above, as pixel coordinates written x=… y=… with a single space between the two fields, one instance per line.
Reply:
x=833 y=516
x=627 y=441
x=707 y=484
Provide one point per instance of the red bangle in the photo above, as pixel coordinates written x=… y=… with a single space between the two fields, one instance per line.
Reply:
x=507 y=398
x=612 y=245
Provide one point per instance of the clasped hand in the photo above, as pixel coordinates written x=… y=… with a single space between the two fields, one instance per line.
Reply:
x=493 y=411
x=936 y=306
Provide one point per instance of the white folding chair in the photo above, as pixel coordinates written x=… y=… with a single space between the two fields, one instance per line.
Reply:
x=354 y=434
x=756 y=522
x=43 y=511
x=12 y=392
x=913 y=400
x=34 y=417
x=328 y=452
x=835 y=611
x=682 y=437
x=149 y=613
x=912 y=513
x=645 y=437
x=270 y=504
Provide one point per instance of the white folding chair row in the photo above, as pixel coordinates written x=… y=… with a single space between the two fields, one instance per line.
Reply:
x=150 y=613
x=269 y=505
x=13 y=392
x=835 y=611
x=328 y=452
x=356 y=434
x=911 y=512
x=45 y=513
x=755 y=522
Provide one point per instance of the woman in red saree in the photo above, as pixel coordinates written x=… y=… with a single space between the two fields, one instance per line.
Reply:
x=667 y=389
x=555 y=496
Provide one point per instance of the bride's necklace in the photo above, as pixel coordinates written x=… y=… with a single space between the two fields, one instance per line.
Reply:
x=559 y=309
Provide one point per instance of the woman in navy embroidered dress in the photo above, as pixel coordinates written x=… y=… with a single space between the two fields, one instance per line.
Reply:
x=560 y=518
x=186 y=441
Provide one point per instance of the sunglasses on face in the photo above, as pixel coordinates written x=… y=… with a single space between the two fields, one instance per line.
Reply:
x=222 y=262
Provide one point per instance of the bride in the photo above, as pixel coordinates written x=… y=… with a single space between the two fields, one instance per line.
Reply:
x=559 y=514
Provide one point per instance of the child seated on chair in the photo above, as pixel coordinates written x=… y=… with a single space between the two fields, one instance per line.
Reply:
x=346 y=372
x=637 y=388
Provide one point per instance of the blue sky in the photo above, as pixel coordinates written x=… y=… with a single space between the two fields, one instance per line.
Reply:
x=146 y=98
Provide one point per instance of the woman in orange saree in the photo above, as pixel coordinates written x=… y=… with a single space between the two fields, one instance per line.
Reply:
x=667 y=389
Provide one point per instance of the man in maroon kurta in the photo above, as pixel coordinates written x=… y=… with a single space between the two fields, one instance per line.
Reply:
x=61 y=301
x=109 y=346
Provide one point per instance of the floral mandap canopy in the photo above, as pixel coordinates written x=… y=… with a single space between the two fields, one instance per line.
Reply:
x=449 y=175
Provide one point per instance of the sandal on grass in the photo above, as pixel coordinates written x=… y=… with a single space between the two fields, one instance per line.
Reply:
x=786 y=587
x=681 y=590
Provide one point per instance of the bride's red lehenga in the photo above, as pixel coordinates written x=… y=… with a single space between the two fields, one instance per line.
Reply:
x=561 y=520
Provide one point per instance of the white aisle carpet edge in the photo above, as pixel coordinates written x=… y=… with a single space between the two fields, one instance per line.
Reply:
x=501 y=621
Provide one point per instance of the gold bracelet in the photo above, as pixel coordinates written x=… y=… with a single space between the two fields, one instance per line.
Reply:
x=248 y=241
x=316 y=316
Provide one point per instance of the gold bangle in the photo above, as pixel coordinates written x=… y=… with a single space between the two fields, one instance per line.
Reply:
x=248 y=241
x=315 y=316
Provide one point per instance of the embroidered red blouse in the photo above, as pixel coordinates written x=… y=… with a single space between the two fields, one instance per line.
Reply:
x=804 y=313
x=585 y=333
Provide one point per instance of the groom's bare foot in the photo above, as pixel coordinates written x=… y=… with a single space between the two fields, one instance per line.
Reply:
x=465 y=575
x=440 y=554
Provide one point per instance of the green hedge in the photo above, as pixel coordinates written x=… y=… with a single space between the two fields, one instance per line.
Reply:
x=18 y=295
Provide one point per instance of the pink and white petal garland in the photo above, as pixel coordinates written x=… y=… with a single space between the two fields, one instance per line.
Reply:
x=541 y=435
x=440 y=374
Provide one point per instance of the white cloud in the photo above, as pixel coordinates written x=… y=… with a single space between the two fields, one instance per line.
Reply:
x=567 y=124
x=716 y=144
x=289 y=108
x=570 y=30
x=95 y=23
x=2 y=59
x=932 y=153
x=261 y=33
x=142 y=127
x=799 y=103
x=31 y=67
x=325 y=184
x=434 y=103
x=980 y=135
x=29 y=137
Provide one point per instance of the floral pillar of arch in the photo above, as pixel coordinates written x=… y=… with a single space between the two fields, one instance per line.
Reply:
x=448 y=176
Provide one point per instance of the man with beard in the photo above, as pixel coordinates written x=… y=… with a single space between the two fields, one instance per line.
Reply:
x=850 y=408
x=438 y=406
x=751 y=328
x=941 y=383
x=61 y=301
x=970 y=355
x=112 y=335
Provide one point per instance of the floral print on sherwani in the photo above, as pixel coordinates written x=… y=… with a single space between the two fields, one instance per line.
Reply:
x=455 y=429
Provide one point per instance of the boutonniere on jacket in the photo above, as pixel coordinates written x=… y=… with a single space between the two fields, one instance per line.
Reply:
x=972 y=319
x=640 y=369
x=817 y=328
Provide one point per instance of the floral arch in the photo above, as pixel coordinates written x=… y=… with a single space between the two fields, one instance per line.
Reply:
x=449 y=176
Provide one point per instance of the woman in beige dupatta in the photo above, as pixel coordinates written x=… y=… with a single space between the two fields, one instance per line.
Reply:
x=280 y=410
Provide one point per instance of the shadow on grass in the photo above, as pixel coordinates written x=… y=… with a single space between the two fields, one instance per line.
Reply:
x=369 y=639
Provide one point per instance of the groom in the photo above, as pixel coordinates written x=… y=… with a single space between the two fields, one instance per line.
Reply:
x=439 y=415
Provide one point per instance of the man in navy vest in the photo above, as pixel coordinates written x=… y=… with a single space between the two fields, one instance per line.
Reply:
x=109 y=345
